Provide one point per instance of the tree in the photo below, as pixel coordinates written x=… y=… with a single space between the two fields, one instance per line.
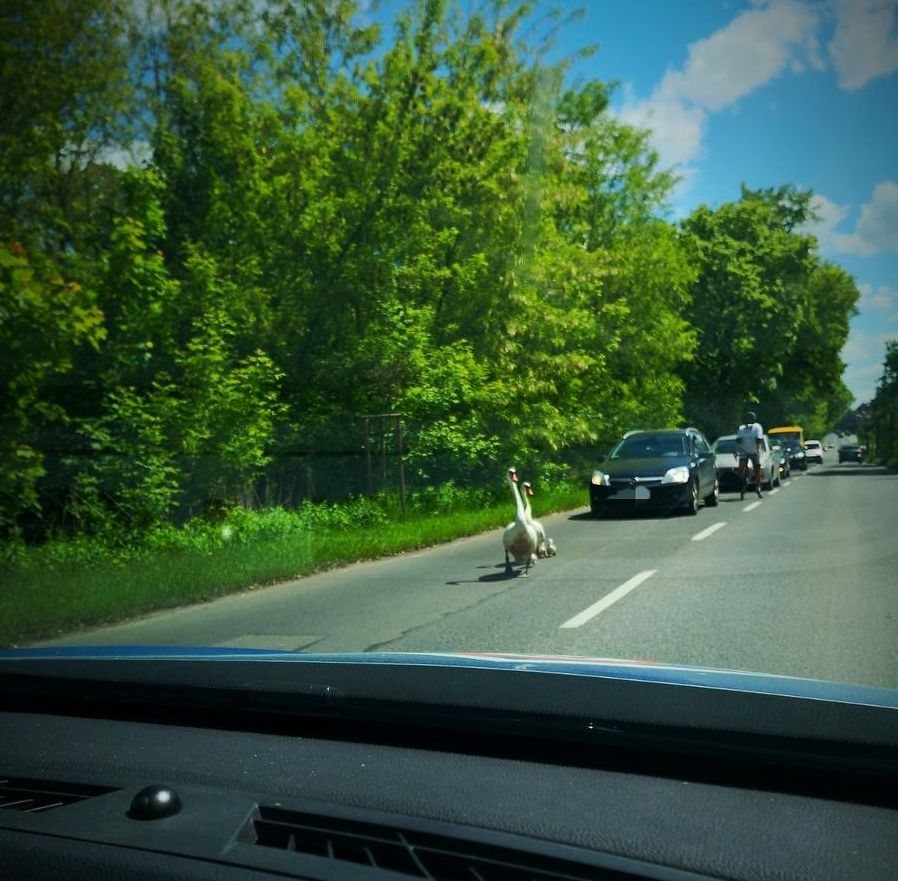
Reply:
x=44 y=322
x=64 y=105
x=881 y=429
x=747 y=302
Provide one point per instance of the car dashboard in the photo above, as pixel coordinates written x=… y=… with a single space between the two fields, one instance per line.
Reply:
x=231 y=781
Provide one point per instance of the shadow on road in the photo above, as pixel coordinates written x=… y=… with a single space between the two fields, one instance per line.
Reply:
x=487 y=579
x=623 y=514
x=854 y=471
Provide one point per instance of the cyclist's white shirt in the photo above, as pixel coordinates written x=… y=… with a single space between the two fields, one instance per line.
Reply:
x=747 y=438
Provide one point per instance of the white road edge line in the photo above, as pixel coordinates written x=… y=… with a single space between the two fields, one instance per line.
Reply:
x=773 y=491
x=752 y=506
x=615 y=595
x=787 y=483
x=709 y=531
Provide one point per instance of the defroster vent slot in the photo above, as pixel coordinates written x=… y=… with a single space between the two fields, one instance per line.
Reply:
x=416 y=854
x=37 y=796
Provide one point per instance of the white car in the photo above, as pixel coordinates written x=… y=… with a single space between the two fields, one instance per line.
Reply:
x=813 y=451
x=728 y=465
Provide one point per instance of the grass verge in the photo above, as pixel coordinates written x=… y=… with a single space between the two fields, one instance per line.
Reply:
x=48 y=601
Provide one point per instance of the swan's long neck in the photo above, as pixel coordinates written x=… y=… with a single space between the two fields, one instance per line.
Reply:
x=518 y=504
x=527 y=510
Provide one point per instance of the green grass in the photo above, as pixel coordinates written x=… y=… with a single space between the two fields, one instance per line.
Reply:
x=38 y=599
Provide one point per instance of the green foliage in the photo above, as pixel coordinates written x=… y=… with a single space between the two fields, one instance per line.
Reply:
x=43 y=322
x=770 y=316
x=324 y=225
x=879 y=426
x=811 y=392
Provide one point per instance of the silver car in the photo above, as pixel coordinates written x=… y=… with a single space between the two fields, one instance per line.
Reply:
x=725 y=450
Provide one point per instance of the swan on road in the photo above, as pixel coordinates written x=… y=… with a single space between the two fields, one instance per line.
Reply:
x=519 y=538
x=545 y=546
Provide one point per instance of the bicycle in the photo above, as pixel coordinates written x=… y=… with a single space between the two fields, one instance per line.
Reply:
x=749 y=469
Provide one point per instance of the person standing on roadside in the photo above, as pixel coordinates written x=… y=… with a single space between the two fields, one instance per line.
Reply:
x=749 y=444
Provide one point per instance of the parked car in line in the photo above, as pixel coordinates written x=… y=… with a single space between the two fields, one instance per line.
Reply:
x=666 y=468
x=851 y=453
x=784 y=463
x=797 y=458
x=725 y=450
x=813 y=451
x=792 y=439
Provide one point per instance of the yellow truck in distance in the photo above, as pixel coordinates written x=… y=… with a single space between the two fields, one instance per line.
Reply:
x=791 y=438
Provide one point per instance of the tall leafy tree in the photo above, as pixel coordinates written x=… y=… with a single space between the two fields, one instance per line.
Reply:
x=747 y=302
x=880 y=422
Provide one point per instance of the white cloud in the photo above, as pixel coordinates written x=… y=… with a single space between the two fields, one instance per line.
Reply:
x=882 y=298
x=830 y=216
x=815 y=56
x=876 y=229
x=863 y=355
x=878 y=224
x=861 y=380
x=770 y=38
x=752 y=49
x=677 y=130
x=864 y=45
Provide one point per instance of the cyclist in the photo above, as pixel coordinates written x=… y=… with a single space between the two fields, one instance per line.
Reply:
x=748 y=448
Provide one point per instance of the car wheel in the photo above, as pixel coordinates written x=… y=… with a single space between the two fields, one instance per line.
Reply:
x=597 y=509
x=777 y=478
x=692 y=502
x=712 y=500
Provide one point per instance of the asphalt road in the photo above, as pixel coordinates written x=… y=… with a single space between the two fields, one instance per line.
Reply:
x=804 y=583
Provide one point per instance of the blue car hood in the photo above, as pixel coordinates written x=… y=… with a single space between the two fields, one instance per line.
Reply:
x=601 y=668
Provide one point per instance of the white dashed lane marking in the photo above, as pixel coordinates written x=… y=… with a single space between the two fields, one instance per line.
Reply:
x=617 y=594
x=709 y=531
x=631 y=584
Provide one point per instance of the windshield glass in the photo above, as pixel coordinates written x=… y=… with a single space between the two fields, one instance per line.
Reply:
x=318 y=321
x=651 y=446
x=725 y=445
x=788 y=438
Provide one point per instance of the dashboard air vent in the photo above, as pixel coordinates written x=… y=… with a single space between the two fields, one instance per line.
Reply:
x=418 y=855
x=35 y=796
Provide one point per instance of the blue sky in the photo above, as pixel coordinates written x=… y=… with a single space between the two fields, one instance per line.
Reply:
x=769 y=92
x=766 y=93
